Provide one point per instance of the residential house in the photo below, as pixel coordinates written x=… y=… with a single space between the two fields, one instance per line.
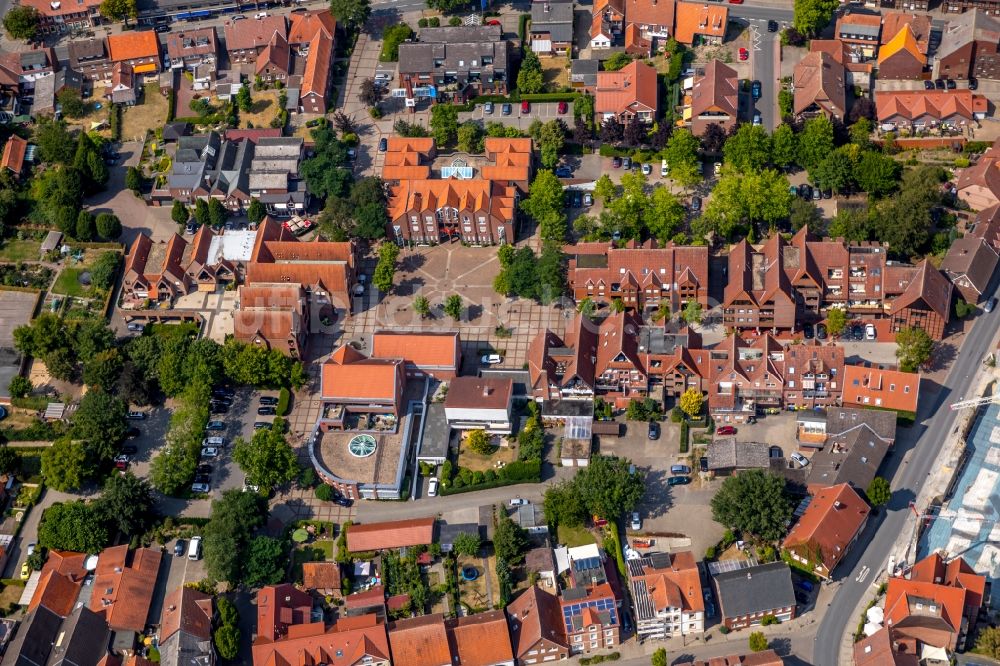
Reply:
x=273 y=316
x=937 y=605
x=56 y=17
x=820 y=86
x=813 y=375
x=123 y=586
x=408 y=158
x=827 y=530
x=551 y=31
x=187 y=49
x=919 y=298
x=140 y=49
x=357 y=383
x=919 y=24
x=459 y=62
x=591 y=617
x=979 y=186
x=124 y=88
x=274 y=62
x=628 y=93
x=91 y=58
x=882 y=649
x=153 y=270
x=881 y=387
x=727 y=456
x=647 y=25
x=919 y=109
x=479 y=211
x=641 y=276
x=607 y=25
x=480 y=403
x=706 y=22
x=43 y=637
x=47 y=91
x=904 y=56
x=860 y=31
x=667 y=597
x=969 y=264
x=854 y=441
x=323 y=578
x=747 y=595
x=20 y=69
x=247 y=38
x=420 y=641
x=186 y=628
x=583 y=75
x=765 y=658
x=14 y=152
x=480 y=640
x=438 y=354
x=970 y=46
x=746 y=376
x=536 y=624
x=390 y=535
x=715 y=98
x=986 y=223
x=312 y=34
x=351 y=640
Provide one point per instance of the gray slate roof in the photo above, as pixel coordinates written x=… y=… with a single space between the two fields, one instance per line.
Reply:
x=973 y=25
x=419 y=57
x=554 y=18
x=585 y=72
x=839 y=420
x=754 y=590
x=467 y=34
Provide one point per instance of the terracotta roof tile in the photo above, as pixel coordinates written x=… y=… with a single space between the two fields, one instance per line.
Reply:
x=650 y=12
x=716 y=91
x=479 y=393
x=317 y=72
x=875 y=387
x=134 y=45
x=278 y=608
x=420 y=641
x=695 y=18
x=422 y=349
x=321 y=575
x=632 y=88
x=820 y=80
x=303 y=27
x=349 y=375
x=919 y=24
x=480 y=640
x=936 y=104
x=55 y=591
x=253 y=33
x=534 y=616
x=13 y=154
x=391 y=534
x=830 y=523
x=123 y=586
x=189 y=611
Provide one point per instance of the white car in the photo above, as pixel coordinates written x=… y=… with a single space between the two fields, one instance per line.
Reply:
x=31 y=549
x=664 y=169
x=636 y=521
x=717 y=168
x=800 y=459
x=646 y=169
x=870 y=331
x=492 y=359
x=519 y=501
x=201 y=488
x=260 y=15
x=210 y=452
x=432 y=487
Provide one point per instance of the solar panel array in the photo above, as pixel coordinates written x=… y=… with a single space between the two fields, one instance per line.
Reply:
x=572 y=610
x=586 y=563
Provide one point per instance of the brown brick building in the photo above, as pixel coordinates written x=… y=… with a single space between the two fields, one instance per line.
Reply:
x=970 y=46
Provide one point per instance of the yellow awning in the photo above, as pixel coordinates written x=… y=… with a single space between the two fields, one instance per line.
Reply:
x=687 y=113
x=143 y=69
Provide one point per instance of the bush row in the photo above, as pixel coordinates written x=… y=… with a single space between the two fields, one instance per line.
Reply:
x=529 y=471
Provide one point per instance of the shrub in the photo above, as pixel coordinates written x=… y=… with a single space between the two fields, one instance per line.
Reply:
x=283 y=397
x=710 y=553
x=422 y=23
x=434 y=22
x=684 y=438
x=307 y=477
x=324 y=492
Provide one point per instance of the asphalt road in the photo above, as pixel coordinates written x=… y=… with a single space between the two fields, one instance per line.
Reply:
x=764 y=63
x=919 y=447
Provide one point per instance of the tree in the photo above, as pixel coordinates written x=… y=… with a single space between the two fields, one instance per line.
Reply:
x=659 y=657
x=324 y=172
x=530 y=79
x=217 y=213
x=879 y=493
x=470 y=137
x=444 y=123
x=617 y=61
x=815 y=142
x=86 y=227
x=509 y=541
x=256 y=212
x=100 y=419
x=861 y=132
x=713 y=139
x=392 y=37
x=753 y=502
x=65 y=466
x=126 y=504
x=55 y=143
x=71 y=103
x=453 y=306
x=836 y=320
x=479 y=441
x=267 y=459
x=109 y=227
x=784 y=148
x=607 y=487
x=876 y=173
x=447 y=6
x=133 y=180
x=612 y=131
x=749 y=149
x=663 y=215
x=172 y=469
x=988 y=642
x=605 y=189
x=10 y=459
x=72 y=526
x=351 y=13
x=103 y=370
x=691 y=401
x=758 y=641
x=21 y=22
x=851 y=224
x=562 y=505
x=682 y=157
x=835 y=172
x=421 y=306
x=243 y=99
x=19 y=386
x=754 y=197
x=385 y=269
x=179 y=213
x=963 y=309
x=545 y=204
x=227 y=634
x=692 y=312
x=913 y=348
x=551 y=138
x=811 y=16
x=265 y=563
x=803 y=213
x=635 y=132
x=550 y=273
x=119 y=10
x=227 y=534
x=467 y=543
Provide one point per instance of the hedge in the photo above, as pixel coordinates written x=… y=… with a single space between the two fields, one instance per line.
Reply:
x=517 y=97
x=528 y=471
x=684 y=437
x=522 y=27
x=40 y=431
x=30 y=402
x=283 y=397
x=616 y=546
x=171 y=103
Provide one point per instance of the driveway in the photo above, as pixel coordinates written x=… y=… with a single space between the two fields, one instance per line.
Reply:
x=765 y=57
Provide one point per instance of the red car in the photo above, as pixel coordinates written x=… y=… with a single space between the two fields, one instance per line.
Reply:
x=493 y=22
x=525 y=106
x=744 y=54
x=563 y=107
x=726 y=430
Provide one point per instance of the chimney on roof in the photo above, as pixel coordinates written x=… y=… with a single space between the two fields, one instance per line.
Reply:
x=172 y=608
x=837 y=505
x=547 y=8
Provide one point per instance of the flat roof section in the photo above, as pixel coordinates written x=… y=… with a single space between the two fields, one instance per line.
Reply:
x=436 y=435
x=16 y=309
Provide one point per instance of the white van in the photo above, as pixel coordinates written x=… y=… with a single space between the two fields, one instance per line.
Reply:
x=214 y=441
x=664 y=169
x=194 y=548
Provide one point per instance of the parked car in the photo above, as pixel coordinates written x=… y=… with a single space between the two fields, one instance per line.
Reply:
x=519 y=501
x=664 y=169
x=744 y=54
x=488 y=108
x=636 y=523
x=973 y=83
x=162 y=28
x=136 y=416
x=717 y=168
x=204 y=468
x=680 y=470
x=856 y=332
x=25 y=571
x=588 y=199
x=31 y=549
x=928 y=85
x=223 y=392
x=939 y=84
x=799 y=458
x=805 y=191
x=870 y=331
x=267 y=411
x=725 y=430
x=135 y=326
x=772 y=26
x=646 y=169
x=816 y=194
x=804 y=584
x=563 y=172
x=132 y=433
x=215 y=425
x=218 y=407
x=505 y=109
x=340 y=500
x=268 y=400
x=703 y=464
x=755 y=90
x=654 y=430
x=757 y=120
x=201 y=488
x=950 y=84
x=202 y=478
x=179 y=548
x=577 y=198
x=696 y=203
x=626 y=162
x=491 y=359
x=260 y=425
x=678 y=480
x=383 y=143
x=432 y=487
x=260 y=15
x=808 y=331
x=616 y=162
x=525 y=106
x=562 y=108
x=990 y=304
x=210 y=452
x=820 y=331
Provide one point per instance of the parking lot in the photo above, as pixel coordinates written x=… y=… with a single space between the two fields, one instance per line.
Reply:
x=543 y=111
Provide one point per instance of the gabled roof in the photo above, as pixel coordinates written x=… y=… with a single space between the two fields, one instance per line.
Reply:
x=13 y=154
x=321 y=575
x=904 y=41
x=972 y=258
x=662 y=582
x=123 y=586
x=919 y=24
x=879 y=650
x=882 y=388
x=134 y=46
x=422 y=349
x=928 y=288
x=188 y=611
x=649 y=12
x=253 y=33
x=479 y=640
x=820 y=80
x=695 y=18
x=632 y=88
x=303 y=27
x=278 y=608
x=194 y=42
x=534 y=616
x=276 y=54
x=390 y=535
x=756 y=589
x=973 y=25
x=347 y=643
x=348 y=374
x=716 y=91
x=829 y=525
x=420 y=641
x=765 y=658
x=317 y=71
x=938 y=104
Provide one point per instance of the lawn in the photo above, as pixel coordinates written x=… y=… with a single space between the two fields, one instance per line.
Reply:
x=167 y=331
x=20 y=250
x=68 y=283
x=263 y=111
x=11 y=593
x=317 y=551
x=473 y=592
x=480 y=463
x=149 y=114
x=555 y=73
x=575 y=536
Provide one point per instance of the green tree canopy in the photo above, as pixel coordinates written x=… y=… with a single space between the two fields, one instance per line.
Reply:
x=749 y=149
x=21 y=22
x=126 y=504
x=72 y=526
x=761 y=196
x=836 y=171
x=811 y=16
x=351 y=13
x=530 y=79
x=119 y=10
x=467 y=544
x=256 y=212
x=227 y=535
x=836 y=320
x=879 y=493
x=265 y=564
x=100 y=418
x=444 y=123
x=815 y=142
x=617 y=61
x=682 y=158
x=65 y=465
x=545 y=204
x=753 y=502
x=510 y=541
x=913 y=348
x=784 y=146
x=607 y=488
x=267 y=459
x=385 y=269
x=691 y=402
x=876 y=173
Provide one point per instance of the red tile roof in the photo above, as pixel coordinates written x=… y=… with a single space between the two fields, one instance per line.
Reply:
x=480 y=640
x=928 y=287
x=55 y=591
x=123 y=586
x=677 y=585
x=349 y=375
x=695 y=18
x=632 y=88
x=303 y=27
x=919 y=24
x=479 y=393
x=347 y=643
x=882 y=388
x=420 y=641
x=936 y=104
x=134 y=46
x=765 y=658
x=391 y=534
x=278 y=608
x=189 y=611
x=253 y=33
x=425 y=350
x=13 y=154
x=535 y=616
x=829 y=525
x=649 y=12
x=318 y=62
x=321 y=576
x=877 y=650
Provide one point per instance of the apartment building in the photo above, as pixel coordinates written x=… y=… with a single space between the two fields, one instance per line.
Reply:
x=747 y=595
x=62 y=16
x=667 y=596
x=459 y=62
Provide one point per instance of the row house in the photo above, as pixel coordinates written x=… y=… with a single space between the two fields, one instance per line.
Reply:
x=479 y=211
x=705 y=23
x=979 y=187
x=608 y=24
x=921 y=109
x=162 y=271
x=20 y=69
x=826 y=531
x=784 y=283
x=187 y=49
x=647 y=25
x=248 y=38
x=551 y=31
x=537 y=631
x=57 y=17
x=860 y=31
x=139 y=49
x=667 y=596
x=455 y=64
x=91 y=59
x=715 y=98
x=640 y=276
x=970 y=47
x=591 y=618
x=970 y=264
x=631 y=92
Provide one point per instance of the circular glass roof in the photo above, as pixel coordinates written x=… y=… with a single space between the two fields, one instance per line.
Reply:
x=361 y=446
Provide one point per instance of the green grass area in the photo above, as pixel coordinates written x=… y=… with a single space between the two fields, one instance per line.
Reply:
x=182 y=330
x=575 y=536
x=68 y=283
x=20 y=250
x=318 y=551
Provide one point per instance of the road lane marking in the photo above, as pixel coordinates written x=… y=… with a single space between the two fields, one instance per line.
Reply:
x=864 y=574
